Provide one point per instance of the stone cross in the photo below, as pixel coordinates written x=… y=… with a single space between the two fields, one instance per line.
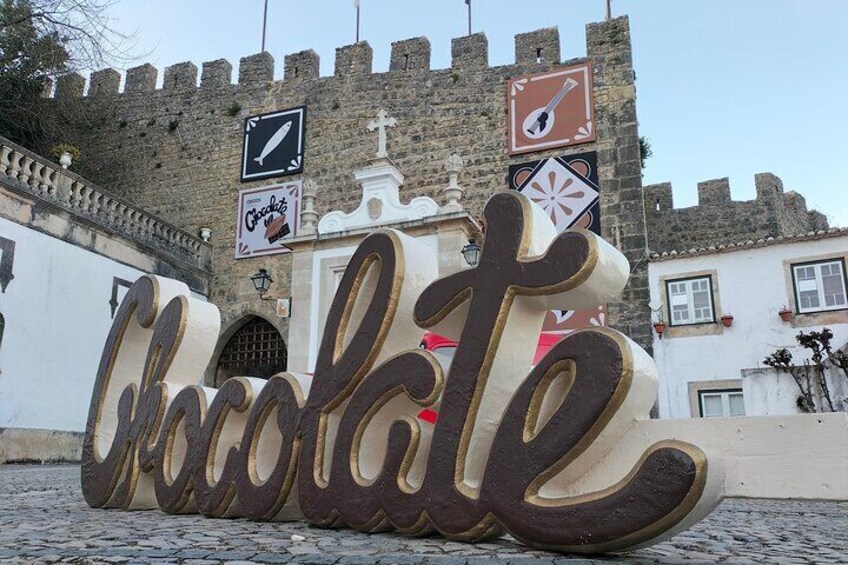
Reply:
x=380 y=124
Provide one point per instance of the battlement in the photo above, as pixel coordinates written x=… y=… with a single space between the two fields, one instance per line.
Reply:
x=536 y=48
x=717 y=218
x=716 y=192
x=175 y=150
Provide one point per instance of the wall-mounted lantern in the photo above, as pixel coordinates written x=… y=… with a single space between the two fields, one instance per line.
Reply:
x=262 y=282
x=471 y=252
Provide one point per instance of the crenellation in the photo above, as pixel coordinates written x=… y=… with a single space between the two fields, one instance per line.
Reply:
x=816 y=220
x=470 y=51
x=717 y=219
x=612 y=39
x=410 y=55
x=659 y=197
x=538 y=47
x=141 y=79
x=180 y=77
x=795 y=202
x=105 y=82
x=434 y=108
x=302 y=65
x=354 y=60
x=768 y=185
x=715 y=192
x=256 y=69
x=71 y=85
x=216 y=74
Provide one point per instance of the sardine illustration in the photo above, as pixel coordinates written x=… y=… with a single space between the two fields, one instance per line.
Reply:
x=275 y=141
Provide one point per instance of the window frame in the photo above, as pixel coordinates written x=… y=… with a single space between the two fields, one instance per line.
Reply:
x=796 y=296
x=669 y=282
x=720 y=391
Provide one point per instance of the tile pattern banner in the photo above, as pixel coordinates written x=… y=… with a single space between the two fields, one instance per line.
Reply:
x=567 y=189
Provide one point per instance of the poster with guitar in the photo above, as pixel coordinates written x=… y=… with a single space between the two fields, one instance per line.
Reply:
x=567 y=189
x=551 y=109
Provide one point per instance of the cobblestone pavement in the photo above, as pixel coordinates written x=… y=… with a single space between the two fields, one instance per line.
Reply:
x=43 y=519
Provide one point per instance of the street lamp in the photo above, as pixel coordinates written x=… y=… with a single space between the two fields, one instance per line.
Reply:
x=261 y=282
x=471 y=253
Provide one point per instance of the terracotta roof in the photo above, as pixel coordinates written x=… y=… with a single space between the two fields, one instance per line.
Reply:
x=750 y=244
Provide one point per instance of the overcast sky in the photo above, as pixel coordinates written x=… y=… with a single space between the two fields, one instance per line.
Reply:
x=725 y=87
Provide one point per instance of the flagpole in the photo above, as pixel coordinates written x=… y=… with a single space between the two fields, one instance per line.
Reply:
x=264 y=24
x=609 y=9
x=468 y=3
x=357 y=22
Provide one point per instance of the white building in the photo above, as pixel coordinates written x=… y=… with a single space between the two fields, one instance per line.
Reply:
x=68 y=253
x=711 y=364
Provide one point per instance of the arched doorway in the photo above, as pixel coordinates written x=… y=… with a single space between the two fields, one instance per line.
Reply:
x=256 y=349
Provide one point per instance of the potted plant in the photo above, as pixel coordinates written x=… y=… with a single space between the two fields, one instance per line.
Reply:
x=65 y=154
x=785 y=313
x=727 y=320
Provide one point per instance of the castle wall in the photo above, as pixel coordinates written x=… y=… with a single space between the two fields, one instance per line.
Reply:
x=176 y=151
x=718 y=220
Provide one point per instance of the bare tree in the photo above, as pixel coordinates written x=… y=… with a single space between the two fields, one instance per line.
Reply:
x=811 y=376
x=40 y=40
x=83 y=27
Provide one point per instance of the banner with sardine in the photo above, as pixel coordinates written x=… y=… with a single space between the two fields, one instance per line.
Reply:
x=567 y=189
x=267 y=218
x=551 y=109
x=273 y=144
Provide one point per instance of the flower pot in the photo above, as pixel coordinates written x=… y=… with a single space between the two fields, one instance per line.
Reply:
x=659 y=327
x=785 y=315
x=727 y=320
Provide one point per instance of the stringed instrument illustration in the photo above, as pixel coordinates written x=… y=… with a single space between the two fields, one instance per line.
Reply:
x=539 y=122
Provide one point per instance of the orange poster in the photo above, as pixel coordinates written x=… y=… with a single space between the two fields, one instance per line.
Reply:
x=552 y=109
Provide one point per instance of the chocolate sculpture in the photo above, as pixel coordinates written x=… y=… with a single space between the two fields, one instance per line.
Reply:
x=505 y=454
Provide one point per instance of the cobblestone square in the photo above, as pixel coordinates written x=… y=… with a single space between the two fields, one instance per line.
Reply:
x=44 y=519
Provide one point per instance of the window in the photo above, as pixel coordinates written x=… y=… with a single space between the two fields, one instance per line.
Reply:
x=819 y=286
x=690 y=301
x=721 y=403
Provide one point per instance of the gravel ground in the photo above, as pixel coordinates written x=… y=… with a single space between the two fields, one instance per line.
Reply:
x=43 y=519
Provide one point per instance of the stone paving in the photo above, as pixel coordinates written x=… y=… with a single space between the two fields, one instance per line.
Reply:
x=43 y=519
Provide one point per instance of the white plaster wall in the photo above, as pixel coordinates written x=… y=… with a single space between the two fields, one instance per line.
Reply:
x=57 y=317
x=752 y=286
x=769 y=393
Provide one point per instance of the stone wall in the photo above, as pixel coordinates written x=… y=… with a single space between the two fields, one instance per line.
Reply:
x=176 y=151
x=20 y=445
x=718 y=220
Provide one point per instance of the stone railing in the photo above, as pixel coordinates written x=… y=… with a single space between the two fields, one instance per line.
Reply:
x=72 y=193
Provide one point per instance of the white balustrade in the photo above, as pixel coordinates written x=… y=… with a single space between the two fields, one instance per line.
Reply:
x=50 y=182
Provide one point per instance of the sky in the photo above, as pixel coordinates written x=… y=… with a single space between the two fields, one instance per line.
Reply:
x=725 y=88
